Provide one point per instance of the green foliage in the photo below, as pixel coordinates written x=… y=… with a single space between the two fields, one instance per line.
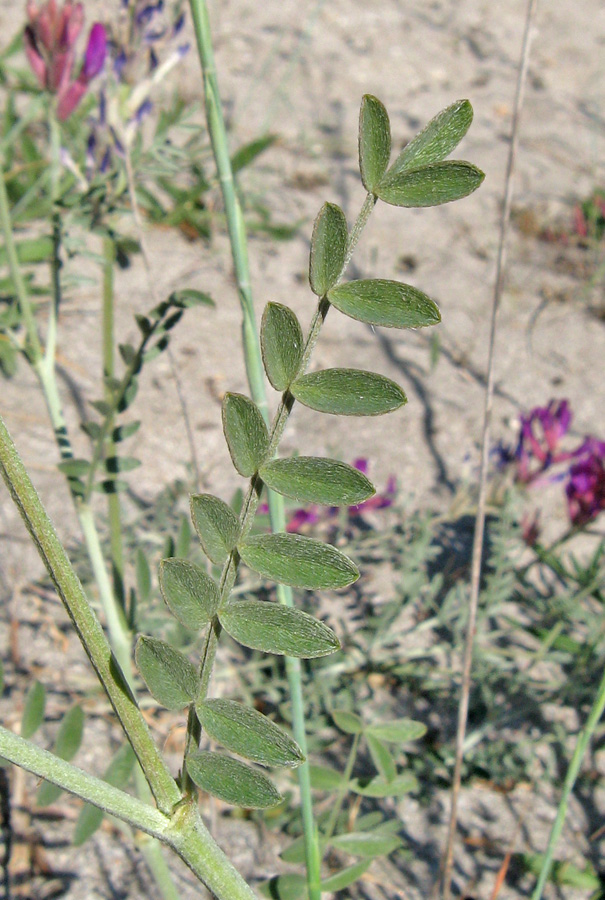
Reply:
x=33 y=711
x=277 y=629
x=437 y=140
x=374 y=142
x=248 y=733
x=298 y=561
x=311 y=479
x=170 y=677
x=231 y=780
x=386 y=303
x=281 y=340
x=348 y=392
x=328 y=249
x=217 y=526
x=117 y=774
x=245 y=432
x=190 y=594
x=66 y=746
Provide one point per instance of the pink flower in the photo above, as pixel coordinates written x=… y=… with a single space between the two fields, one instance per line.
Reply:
x=50 y=38
x=585 y=489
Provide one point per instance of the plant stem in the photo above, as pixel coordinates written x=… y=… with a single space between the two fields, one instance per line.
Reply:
x=183 y=830
x=87 y=625
x=342 y=791
x=448 y=857
x=113 y=500
x=572 y=773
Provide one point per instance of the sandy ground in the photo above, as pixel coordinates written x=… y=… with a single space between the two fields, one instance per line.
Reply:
x=300 y=71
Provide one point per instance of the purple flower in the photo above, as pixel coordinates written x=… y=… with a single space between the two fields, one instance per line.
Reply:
x=540 y=435
x=50 y=38
x=585 y=489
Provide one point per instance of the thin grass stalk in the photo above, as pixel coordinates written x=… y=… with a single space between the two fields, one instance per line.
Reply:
x=448 y=859
x=255 y=373
x=584 y=738
x=113 y=499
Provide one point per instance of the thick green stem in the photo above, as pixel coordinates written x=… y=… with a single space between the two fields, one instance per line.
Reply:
x=85 y=622
x=570 y=779
x=183 y=830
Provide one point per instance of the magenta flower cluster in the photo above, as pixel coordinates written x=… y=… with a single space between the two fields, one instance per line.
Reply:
x=50 y=40
x=539 y=451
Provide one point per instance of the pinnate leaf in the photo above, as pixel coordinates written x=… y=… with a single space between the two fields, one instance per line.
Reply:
x=374 y=141
x=431 y=185
x=189 y=592
x=437 y=140
x=285 y=887
x=74 y=468
x=245 y=432
x=398 y=731
x=249 y=733
x=172 y=680
x=281 y=340
x=381 y=757
x=117 y=774
x=368 y=844
x=348 y=722
x=328 y=248
x=231 y=780
x=346 y=877
x=348 y=392
x=298 y=561
x=216 y=524
x=313 y=479
x=33 y=711
x=381 y=787
x=277 y=629
x=66 y=746
x=323 y=778
x=388 y=303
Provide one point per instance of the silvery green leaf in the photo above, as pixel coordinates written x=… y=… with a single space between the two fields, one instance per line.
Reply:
x=381 y=757
x=121 y=432
x=348 y=722
x=115 y=464
x=231 y=780
x=398 y=731
x=374 y=141
x=380 y=787
x=437 y=140
x=245 y=432
x=431 y=185
x=285 y=887
x=66 y=746
x=216 y=524
x=33 y=711
x=298 y=561
x=277 y=629
x=190 y=297
x=249 y=733
x=190 y=593
x=328 y=248
x=281 y=340
x=117 y=774
x=346 y=877
x=313 y=479
x=324 y=778
x=171 y=679
x=387 y=303
x=74 y=468
x=368 y=844
x=348 y=392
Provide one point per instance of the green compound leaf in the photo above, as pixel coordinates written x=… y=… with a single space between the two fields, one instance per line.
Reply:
x=33 y=711
x=348 y=722
x=388 y=303
x=231 y=780
x=281 y=341
x=374 y=142
x=121 y=432
x=442 y=135
x=190 y=297
x=381 y=757
x=171 y=679
x=247 y=732
x=345 y=877
x=115 y=464
x=348 y=392
x=189 y=593
x=431 y=185
x=368 y=844
x=313 y=479
x=398 y=731
x=277 y=629
x=117 y=774
x=328 y=248
x=298 y=561
x=245 y=432
x=285 y=887
x=66 y=746
x=323 y=778
x=74 y=468
x=380 y=787
x=217 y=526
